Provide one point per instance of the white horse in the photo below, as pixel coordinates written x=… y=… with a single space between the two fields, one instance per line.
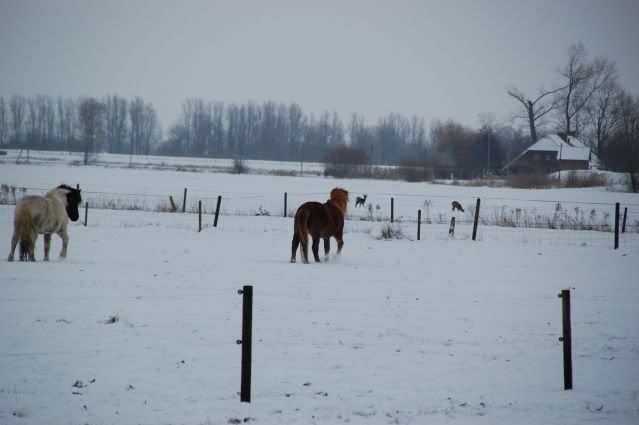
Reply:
x=44 y=215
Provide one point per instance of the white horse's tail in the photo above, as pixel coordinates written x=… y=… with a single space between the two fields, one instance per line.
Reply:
x=25 y=229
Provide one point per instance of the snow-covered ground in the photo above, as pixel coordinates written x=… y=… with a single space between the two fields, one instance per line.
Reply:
x=138 y=325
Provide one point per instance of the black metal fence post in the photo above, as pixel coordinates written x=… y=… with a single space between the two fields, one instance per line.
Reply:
x=246 y=342
x=285 y=199
x=617 y=225
x=623 y=223
x=184 y=202
x=86 y=213
x=419 y=223
x=476 y=219
x=392 y=209
x=217 y=210
x=451 y=229
x=199 y=216
x=566 y=338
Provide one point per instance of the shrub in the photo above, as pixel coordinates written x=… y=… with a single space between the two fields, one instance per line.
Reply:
x=530 y=181
x=238 y=167
x=391 y=231
x=283 y=173
x=584 y=179
x=345 y=161
x=9 y=195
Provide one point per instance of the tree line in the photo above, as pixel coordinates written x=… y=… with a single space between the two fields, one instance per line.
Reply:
x=268 y=131
x=113 y=124
x=585 y=101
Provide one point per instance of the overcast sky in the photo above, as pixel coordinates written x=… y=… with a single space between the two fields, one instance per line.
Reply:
x=433 y=59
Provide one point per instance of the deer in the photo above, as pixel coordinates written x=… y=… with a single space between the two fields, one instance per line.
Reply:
x=457 y=206
x=360 y=201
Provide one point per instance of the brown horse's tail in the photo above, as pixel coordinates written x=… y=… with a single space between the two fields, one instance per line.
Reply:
x=301 y=226
x=25 y=229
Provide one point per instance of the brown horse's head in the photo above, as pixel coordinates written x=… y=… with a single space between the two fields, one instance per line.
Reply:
x=339 y=197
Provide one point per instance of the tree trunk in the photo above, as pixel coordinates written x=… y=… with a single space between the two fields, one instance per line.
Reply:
x=531 y=121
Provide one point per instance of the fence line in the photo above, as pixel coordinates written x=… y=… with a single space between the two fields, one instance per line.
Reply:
x=448 y=344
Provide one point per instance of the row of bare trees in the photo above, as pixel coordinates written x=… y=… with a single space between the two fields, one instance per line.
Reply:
x=284 y=132
x=113 y=124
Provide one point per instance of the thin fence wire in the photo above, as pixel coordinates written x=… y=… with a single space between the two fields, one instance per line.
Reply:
x=365 y=336
x=500 y=218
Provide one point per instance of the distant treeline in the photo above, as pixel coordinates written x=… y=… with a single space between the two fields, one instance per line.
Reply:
x=270 y=131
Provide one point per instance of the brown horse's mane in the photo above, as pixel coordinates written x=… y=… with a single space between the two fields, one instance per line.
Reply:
x=339 y=198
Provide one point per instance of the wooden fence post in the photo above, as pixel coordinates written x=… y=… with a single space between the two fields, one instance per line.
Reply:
x=451 y=230
x=392 y=209
x=476 y=219
x=199 y=215
x=623 y=224
x=86 y=213
x=173 y=207
x=285 y=198
x=419 y=223
x=566 y=338
x=617 y=225
x=184 y=202
x=246 y=342
x=217 y=210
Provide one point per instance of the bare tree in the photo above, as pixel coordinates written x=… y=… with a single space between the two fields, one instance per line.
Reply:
x=217 y=130
x=17 y=108
x=33 y=136
x=627 y=138
x=66 y=122
x=90 y=115
x=4 y=122
x=49 y=121
x=581 y=79
x=535 y=109
x=151 y=131
x=116 y=114
x=145 y=129
x=296 y=122
x=600 y=113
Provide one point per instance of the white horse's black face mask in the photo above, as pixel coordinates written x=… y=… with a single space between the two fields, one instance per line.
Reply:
x=73 y=201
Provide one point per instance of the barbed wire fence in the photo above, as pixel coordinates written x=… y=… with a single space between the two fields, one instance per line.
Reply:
x=565 y=222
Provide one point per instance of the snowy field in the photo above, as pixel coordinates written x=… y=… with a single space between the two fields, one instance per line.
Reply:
x=138 y=325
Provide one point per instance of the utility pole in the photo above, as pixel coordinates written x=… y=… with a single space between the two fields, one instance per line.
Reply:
x=370 y=160
x=488 y=160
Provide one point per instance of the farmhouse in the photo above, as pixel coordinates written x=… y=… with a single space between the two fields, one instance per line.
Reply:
x=553 y=153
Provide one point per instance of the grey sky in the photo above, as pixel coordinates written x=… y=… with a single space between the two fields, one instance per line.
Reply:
x=433 y=59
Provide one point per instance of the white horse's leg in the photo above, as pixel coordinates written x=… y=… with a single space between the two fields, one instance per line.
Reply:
x=14 y=242
x=31 y=248
x=47 y=246
x=65 y=242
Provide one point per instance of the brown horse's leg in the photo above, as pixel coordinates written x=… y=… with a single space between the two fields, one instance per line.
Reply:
x=14 y=242
x=294 y=244
x=316 y=241
x=340 y=242
x=327 y=247
x=47 y=246
x=304 y=250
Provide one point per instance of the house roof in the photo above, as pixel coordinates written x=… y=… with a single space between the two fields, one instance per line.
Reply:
x=575 y=150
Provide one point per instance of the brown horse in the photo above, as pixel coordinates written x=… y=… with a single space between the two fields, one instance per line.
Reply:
x=44 y=215
x=321 y=221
